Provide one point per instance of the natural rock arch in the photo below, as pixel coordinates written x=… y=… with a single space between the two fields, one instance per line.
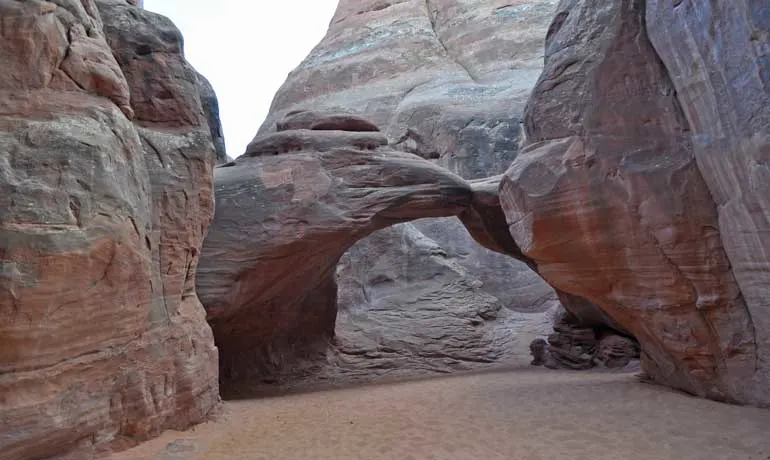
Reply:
x=288 y=210
x=633 y=194
x=615 y=201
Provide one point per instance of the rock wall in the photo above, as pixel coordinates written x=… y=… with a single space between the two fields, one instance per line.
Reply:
x=105 y=195
x=448 y=81
x=639 y=188
x=724 y=92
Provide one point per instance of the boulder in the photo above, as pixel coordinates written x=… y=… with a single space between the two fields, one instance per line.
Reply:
x=615 y=351
x=573 y=345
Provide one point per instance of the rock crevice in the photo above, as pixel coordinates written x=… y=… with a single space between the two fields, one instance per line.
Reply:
x=432 y=13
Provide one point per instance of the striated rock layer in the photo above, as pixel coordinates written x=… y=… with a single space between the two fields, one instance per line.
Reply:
x=448 y=81
x=101 y=219
x=640 y=185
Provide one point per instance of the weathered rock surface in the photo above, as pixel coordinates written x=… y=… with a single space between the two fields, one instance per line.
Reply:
x=441 y=77
x=211 y=110
x=282 y=223
x=425 y=314
x=718 y=57
x=103 y=338
x=445 y=80
x=307 y=140
x=307 y=119
x=615 y=204
x=269 y=269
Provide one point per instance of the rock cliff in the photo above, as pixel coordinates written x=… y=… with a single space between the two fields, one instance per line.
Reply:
x=718 y=58
x=105 y=196
x=640 y=187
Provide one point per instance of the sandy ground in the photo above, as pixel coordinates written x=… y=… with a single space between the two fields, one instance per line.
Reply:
x=529 y=414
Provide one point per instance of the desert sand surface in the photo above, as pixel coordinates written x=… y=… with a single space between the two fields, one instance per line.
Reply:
x=525 y=414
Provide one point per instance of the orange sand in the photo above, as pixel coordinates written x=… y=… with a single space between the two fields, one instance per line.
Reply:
x=531 y=414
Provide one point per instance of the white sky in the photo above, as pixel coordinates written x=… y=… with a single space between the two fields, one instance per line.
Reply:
x=246 y=48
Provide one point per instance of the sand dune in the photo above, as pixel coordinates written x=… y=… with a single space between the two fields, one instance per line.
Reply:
x=529 y=414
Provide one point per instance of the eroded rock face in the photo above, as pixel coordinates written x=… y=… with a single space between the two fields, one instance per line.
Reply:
x=310 y=140
x=290 y=208
x=724 y=92
x=211 y=110
x=422 y=315
x=103 y=337
x=284 y=220
x=609 y=199
x=445 y=80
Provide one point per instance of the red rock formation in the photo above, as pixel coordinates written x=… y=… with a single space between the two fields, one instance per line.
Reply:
x=718 y=57
x=445 y=80
x=640 y=194
x=283 y=221
x=609 y=199
x=103 y=337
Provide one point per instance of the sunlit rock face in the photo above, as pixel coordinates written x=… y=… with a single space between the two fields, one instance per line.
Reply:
x=639 y=188
x=104 y=201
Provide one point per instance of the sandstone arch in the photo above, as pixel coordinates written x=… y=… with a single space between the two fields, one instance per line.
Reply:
x=639 y=200
x=286 y=212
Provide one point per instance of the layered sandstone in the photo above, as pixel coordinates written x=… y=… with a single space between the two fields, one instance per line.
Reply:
x=640 y=186
x=289 y=209
x=639 y=195
x=718 y=58
x=105 y=196
x=445 y=80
